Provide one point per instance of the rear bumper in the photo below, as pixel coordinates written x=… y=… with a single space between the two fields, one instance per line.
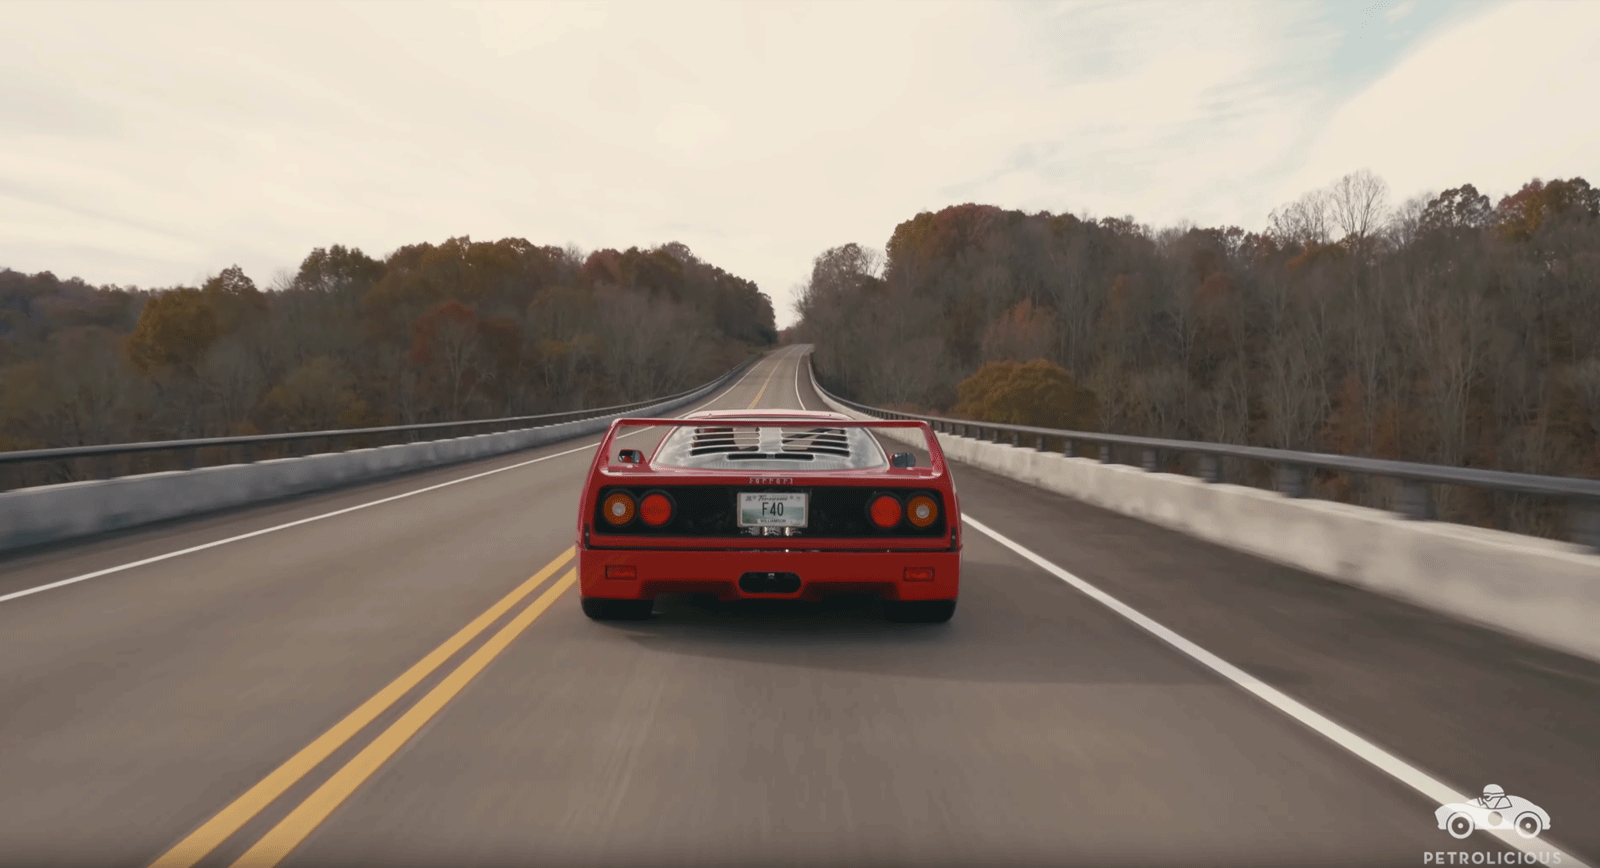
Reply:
x=718 y=572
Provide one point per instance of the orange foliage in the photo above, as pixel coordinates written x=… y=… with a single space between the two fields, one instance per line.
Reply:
x=1523 y=212
x=1038 y=393
x=175 y=330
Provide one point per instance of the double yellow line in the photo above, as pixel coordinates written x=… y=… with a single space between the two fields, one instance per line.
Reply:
x=294 y=828
x=764 y=386
x=277 y=843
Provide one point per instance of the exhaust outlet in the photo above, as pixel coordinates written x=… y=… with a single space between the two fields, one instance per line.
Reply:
x=769 y=583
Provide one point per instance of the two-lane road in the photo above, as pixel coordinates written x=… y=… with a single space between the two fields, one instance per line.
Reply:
x=398 y=674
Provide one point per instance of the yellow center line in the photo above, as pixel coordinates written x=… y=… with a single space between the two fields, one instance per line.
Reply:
x=284 y=837
x=764 y=387
x=230 y=819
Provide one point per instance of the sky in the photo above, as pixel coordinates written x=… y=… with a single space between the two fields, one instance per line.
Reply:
x=154 y=144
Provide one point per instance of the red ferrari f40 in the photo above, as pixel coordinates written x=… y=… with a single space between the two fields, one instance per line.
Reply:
x=768 y=504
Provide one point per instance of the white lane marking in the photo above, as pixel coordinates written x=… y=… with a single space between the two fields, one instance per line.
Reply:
x=266 y=530
x=1386 y=762
x=798 y=400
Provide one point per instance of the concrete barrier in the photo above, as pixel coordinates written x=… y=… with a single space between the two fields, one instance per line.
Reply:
x=54 y=513
x=1542 y=590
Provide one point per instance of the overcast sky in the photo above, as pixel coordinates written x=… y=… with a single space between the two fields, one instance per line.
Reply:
x=156 y=143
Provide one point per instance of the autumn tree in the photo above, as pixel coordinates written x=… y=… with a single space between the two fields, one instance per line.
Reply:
x=450 y=330
x=1522 y=213
x=1023 y=333
x=1455 y=210
x=175 y=330
x=1039 y=393
x=318 y=395
x=1443 y=330
x=446 y=346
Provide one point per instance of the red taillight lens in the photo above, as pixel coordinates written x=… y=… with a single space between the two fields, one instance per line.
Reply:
x=885 y=511
x=919 y=574
x=655 y=509
x=922 y=511
x=619 y=508
x=622 y=571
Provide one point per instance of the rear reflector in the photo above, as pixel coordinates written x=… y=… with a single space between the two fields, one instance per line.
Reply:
x=624 y=571
x=919 y=574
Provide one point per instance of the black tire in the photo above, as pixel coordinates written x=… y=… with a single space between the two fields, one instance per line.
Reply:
x=919 y=611
x=604 y=609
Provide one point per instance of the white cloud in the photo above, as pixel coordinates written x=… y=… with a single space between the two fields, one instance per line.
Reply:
x=1501 y=99
x=151 y=143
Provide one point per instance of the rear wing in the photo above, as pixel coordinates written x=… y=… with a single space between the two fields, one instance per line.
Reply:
x=606 y=453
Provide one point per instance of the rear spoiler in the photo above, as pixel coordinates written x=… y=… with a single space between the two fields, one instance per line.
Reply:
x=775 y=420
x=935 y=454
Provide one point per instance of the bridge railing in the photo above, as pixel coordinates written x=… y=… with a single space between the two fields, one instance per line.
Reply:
x=1292 y=470
x=74 y=463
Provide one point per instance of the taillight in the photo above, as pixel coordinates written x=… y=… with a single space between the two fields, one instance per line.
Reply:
x=656 y=509
x=922 y=511
x=619 y=508
x=885 y=511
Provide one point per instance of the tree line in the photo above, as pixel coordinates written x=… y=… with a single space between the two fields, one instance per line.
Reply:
x=430 y=333
x=1446 y=328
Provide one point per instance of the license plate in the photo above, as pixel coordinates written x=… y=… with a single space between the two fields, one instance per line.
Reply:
x=760 y=509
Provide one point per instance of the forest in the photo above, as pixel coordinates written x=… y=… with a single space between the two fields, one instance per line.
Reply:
x=1447 y=328
x=454 y=331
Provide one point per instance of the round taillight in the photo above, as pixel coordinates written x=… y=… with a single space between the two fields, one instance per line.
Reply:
x=619 y=508
x=885 y=511
x=656 y=509
x=922 y=511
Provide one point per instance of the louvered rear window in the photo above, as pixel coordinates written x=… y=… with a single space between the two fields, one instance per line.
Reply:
x=777 y=447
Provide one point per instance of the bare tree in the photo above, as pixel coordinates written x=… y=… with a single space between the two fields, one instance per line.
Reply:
x=1405 y=222
x=1358 y=204
x=1301 y=222
x=1294 y=409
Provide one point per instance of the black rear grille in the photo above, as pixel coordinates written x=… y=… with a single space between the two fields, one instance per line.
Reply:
x=712 y=511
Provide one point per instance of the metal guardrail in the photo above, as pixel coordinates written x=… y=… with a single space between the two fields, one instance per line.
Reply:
x=1293 y=469
x=242 y=448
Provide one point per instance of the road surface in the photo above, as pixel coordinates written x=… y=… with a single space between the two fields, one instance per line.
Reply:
x=398 y=674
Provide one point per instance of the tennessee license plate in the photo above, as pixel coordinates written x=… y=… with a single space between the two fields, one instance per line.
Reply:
x=759 y=509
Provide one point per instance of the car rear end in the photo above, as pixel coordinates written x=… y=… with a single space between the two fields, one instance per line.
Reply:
x=732 y=515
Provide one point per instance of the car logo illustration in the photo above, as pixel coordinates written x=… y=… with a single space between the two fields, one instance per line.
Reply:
x=1493 y=812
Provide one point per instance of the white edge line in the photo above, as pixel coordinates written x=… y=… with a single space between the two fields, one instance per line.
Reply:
x=797 y=399
x=266 y=530
x=1386 y=762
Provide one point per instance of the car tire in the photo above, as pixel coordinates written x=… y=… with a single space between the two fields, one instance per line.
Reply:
x=1459 y=825
x=1529 y=825
x=919 y=611
x=604 y=609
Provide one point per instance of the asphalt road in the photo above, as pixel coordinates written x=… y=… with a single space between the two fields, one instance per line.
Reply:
x=386 y=686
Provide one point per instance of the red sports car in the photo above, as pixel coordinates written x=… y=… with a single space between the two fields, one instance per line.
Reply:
x=768 y=504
